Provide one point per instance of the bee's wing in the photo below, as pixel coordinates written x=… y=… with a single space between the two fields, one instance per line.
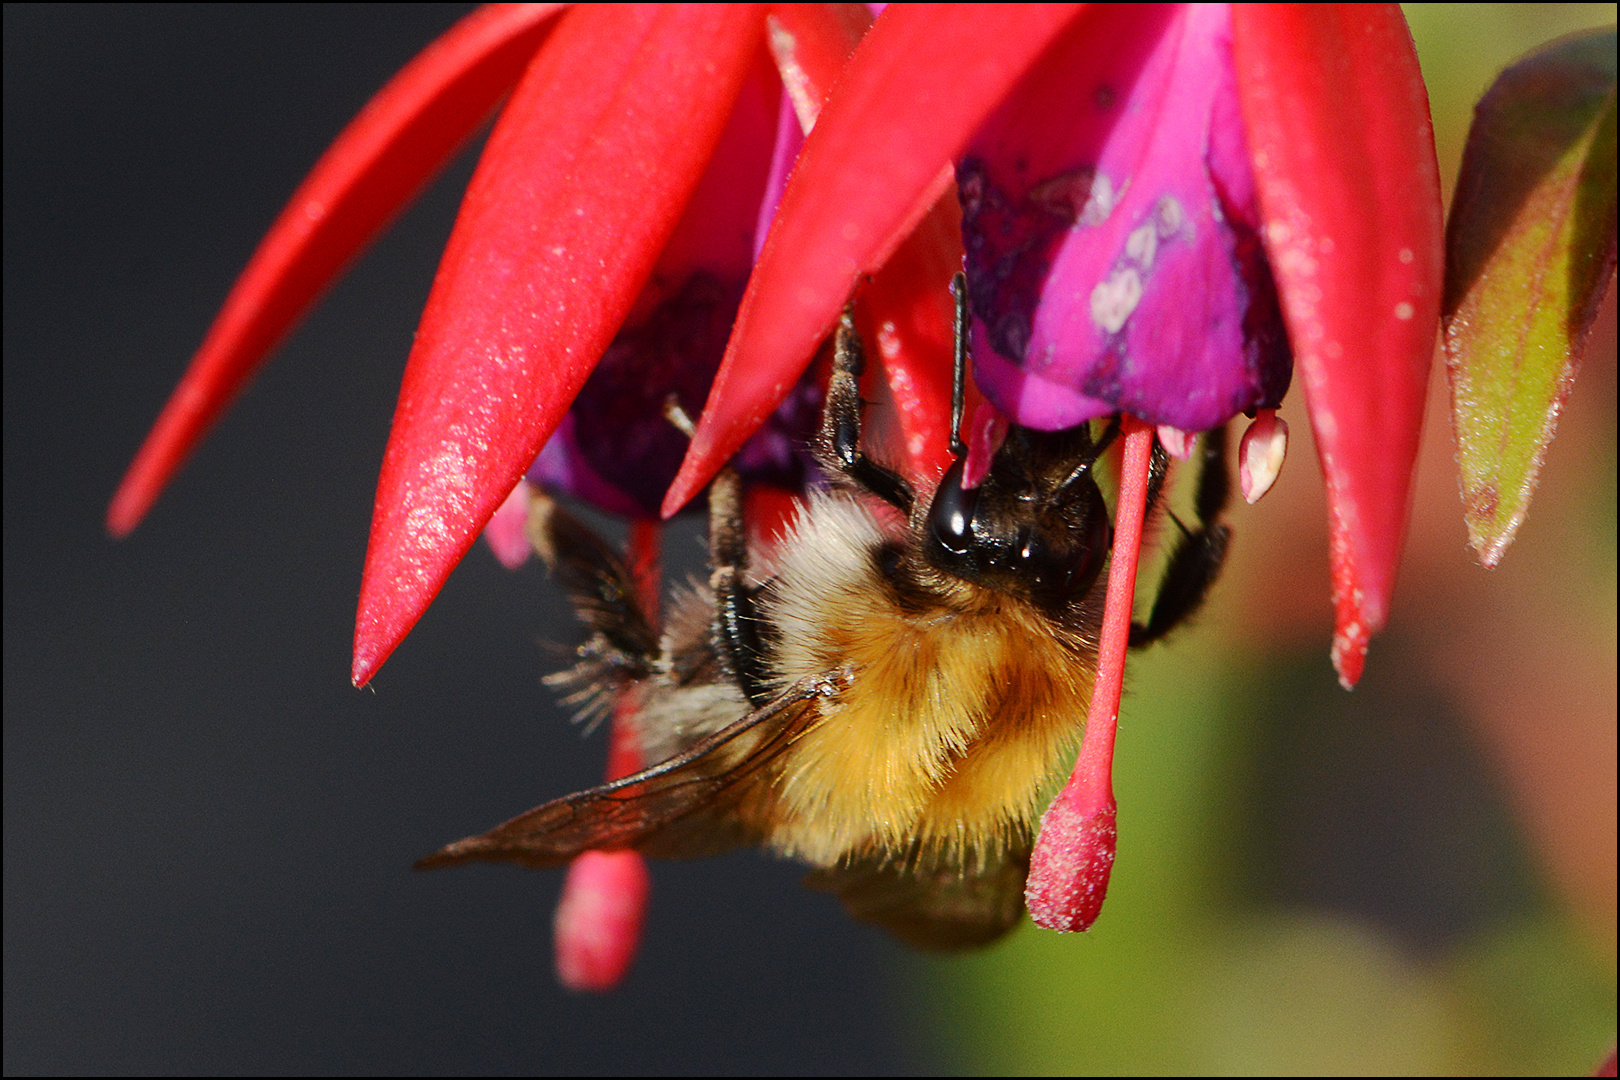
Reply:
x=950 y=907
x=666 y=810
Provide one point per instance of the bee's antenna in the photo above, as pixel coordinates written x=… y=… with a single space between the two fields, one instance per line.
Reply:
x=959 y=362
x=1098 y=448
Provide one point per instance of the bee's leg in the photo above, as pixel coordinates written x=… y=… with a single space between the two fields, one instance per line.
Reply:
x=736 y=622
x=623 y=644
x=840 y=445
x=1197 y=554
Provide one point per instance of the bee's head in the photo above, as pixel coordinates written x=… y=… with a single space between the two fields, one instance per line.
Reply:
x=1036 y=527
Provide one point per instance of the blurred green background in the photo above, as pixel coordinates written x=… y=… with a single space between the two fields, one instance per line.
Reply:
x=1418 y=877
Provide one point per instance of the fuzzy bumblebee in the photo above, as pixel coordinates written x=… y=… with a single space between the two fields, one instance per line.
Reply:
x=890 y=701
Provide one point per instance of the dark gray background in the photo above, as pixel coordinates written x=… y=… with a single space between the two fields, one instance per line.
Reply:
x=208 y=833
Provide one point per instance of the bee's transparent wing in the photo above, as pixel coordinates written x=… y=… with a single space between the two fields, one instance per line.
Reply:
x=948 y=907
x=674 y=809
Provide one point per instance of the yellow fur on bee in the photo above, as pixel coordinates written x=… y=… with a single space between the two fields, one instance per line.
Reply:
x=955 y=721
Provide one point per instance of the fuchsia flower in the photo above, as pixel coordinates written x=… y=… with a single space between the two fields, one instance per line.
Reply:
x=1145 y=191
x=1335 y=126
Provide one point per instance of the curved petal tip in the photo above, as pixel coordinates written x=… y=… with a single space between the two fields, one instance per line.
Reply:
x=1337 y=119
x=581 y=184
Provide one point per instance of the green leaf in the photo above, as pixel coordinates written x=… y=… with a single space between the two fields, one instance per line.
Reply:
x=1530 y=250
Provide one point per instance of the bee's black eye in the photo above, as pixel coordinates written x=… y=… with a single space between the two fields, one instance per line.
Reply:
x=951 y=516
x=1062 y=560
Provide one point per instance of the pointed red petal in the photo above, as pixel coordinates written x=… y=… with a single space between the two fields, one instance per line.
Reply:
x=376 y=166
x=1338 y=124
x=913 y=94
x=906 y=312
x=582 y=182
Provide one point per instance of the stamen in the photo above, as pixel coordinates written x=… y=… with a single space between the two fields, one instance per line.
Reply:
x=1074 y=853
x=1261 y=454
x=597 y=927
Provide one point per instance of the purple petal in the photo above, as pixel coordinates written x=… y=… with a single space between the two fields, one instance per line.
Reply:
x=561 y=467
x=1110 y=221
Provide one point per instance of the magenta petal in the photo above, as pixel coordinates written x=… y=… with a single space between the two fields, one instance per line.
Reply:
x=1110 y=220
x=789 y=141
x=562 y=467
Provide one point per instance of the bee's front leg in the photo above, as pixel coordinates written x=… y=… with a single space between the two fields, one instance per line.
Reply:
x=736 y=620
x=840 y=445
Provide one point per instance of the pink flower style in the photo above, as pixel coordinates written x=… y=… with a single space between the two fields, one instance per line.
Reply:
x=1162 y=208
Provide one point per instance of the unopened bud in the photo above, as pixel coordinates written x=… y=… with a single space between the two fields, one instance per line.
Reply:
x=1261 y=453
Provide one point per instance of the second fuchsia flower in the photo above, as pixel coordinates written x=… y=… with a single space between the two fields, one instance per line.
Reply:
x=1149 y=194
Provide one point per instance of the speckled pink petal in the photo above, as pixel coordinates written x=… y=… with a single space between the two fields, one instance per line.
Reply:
x=1110 y=221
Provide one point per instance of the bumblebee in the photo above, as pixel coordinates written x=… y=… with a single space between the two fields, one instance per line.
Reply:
x=890 y=699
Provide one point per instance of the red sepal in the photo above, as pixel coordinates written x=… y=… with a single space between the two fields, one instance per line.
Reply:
x=1338 y=125
x=905 y=314
x=374 y=168
x=583 y=180
x=915 y=91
